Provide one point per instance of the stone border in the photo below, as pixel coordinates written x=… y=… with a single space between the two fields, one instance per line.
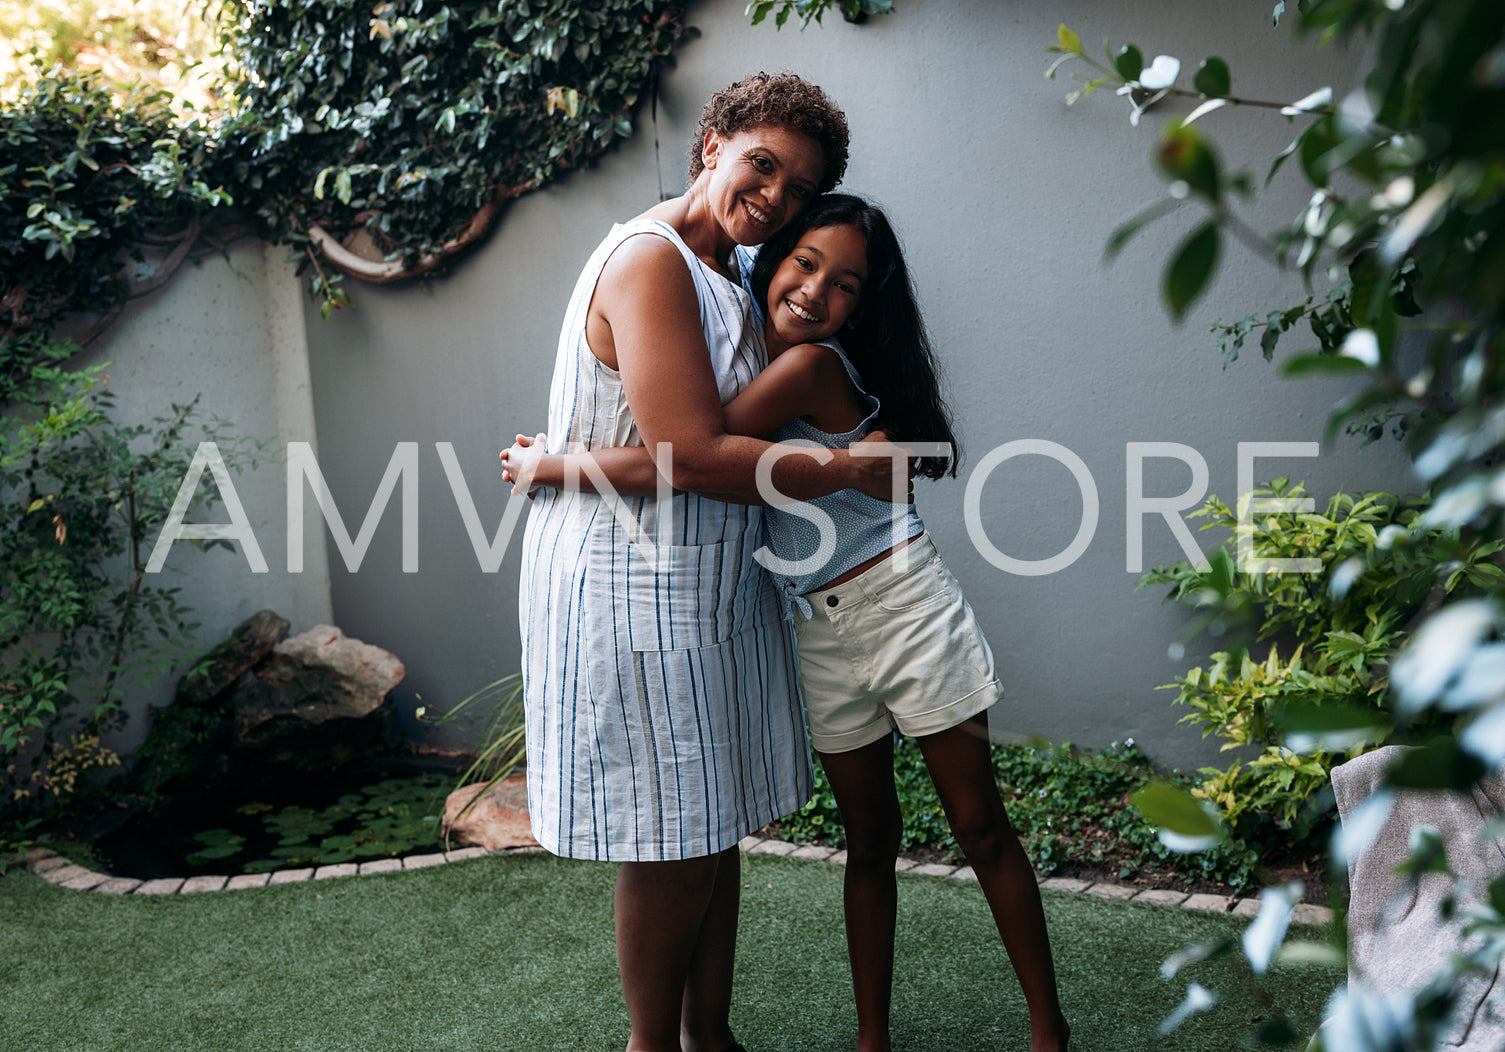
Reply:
x=55 y=869
x=1304 y=913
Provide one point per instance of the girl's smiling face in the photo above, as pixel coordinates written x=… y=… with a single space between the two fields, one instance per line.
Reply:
x=817 y=287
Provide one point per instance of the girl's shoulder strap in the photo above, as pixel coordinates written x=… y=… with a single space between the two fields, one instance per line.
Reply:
x=834 y=344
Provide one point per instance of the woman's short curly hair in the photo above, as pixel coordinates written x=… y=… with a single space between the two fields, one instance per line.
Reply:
x=783 y=99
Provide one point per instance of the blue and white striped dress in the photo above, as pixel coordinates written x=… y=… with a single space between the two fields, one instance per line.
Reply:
x=663 y=714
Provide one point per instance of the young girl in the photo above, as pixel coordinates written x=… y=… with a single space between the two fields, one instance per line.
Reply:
x=886 y=640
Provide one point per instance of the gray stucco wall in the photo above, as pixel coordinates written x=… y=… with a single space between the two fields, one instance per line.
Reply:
x=1004 y=198
x=228 y=331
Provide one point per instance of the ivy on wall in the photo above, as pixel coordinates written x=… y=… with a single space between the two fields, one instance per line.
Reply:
x=855 y=11
x=85 y=183
x=386 y=138
x=379 y=139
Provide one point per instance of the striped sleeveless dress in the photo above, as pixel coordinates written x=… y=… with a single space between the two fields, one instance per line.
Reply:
x=663 y=714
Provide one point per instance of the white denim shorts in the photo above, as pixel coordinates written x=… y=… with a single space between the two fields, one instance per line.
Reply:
x=892 y=649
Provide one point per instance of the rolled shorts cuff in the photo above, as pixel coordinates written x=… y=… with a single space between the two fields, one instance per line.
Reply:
x=851 y=741
x=953 y=715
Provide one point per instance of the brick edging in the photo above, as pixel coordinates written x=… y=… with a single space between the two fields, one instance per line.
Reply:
x=55 y=869
x=1304 y=913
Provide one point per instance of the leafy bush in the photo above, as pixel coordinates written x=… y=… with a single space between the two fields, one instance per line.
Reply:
x=406 y=124
x=1406 y=213
x=1374 y=568
x=85 y=181
x=168 y=44
x=81 y=494
x=1069 y=807
x=815 y=10
x=404 y=121
x=399 y=128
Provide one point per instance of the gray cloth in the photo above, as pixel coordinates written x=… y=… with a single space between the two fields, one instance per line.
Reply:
x=1396 y=937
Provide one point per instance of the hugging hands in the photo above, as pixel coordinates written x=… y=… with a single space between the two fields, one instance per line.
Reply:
x=520 y=463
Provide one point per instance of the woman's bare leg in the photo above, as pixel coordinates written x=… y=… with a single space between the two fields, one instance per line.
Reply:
x=863 y=784
x=661 y=909
x=705 y=1014
x=961 y=767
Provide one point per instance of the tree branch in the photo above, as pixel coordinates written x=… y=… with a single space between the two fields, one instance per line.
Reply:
x=387 y=272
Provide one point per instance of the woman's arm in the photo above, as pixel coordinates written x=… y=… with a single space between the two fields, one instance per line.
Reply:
x=628 y=471
x=803 y=381
x=646 y=310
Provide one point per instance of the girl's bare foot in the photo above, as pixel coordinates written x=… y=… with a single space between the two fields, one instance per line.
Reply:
x=1051 y=1038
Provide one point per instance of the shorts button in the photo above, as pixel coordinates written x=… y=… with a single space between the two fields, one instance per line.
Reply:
x=831 y=600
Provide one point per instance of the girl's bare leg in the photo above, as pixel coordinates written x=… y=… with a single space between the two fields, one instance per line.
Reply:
x=863 y=784
x=662 y=909
x=962 y=770
x=705 y=1014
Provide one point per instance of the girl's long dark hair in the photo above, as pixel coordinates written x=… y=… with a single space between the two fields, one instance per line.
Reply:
x=886 y=337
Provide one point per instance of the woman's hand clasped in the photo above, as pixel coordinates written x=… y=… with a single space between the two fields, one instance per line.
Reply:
x=520 y=462
x=875 y=461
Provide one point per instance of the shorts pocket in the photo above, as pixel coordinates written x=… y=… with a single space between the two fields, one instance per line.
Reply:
x=916 y=586
x=673 y=593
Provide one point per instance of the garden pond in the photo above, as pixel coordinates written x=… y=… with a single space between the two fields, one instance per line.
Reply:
x=356 y=814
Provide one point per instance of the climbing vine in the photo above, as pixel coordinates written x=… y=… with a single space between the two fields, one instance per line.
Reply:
x=383 y=139
x=378 y=139
x=86 y=183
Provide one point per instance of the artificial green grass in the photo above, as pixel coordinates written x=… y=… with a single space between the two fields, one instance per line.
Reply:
x=515 y=952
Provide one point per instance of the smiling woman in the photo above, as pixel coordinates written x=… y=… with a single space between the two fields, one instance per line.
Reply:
x=663 y=718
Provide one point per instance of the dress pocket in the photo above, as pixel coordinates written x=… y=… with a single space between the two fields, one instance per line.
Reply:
x=675 y=596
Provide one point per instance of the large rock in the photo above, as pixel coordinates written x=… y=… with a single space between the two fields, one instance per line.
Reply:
x=499 y=820
x=317 y=700
x=1397 y=934
x=189 y=741
x=252 y=640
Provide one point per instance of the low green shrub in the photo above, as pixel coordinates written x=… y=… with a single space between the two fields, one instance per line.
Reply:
x=80 y=495
x=1329 y=632
x=1069 y=807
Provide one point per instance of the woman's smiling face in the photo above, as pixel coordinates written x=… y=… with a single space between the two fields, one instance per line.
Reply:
x=818 y=286
x=760 y=178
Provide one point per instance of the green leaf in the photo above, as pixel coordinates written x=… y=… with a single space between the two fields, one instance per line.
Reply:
x=1175 y=811
x=1317 y=144
x=1129 y=62
x=1310 y=725
x=1188 y=272
x=1126 y=230
x=1322 y=364
x=1069 y=40
x=1213 y=78
x=1442 y=765
x=1183 y=154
